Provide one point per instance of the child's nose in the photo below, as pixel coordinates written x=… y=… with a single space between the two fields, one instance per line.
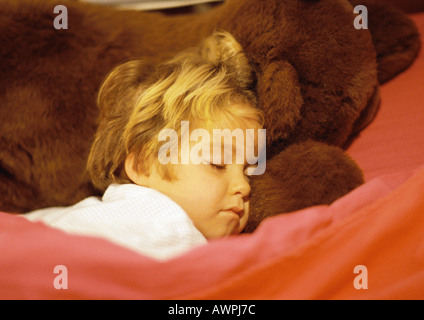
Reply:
x=240 y=185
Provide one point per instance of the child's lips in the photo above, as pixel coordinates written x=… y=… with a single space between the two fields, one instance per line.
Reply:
x=236 y=210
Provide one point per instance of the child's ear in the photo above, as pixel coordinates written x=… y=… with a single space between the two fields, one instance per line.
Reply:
x=134 y=173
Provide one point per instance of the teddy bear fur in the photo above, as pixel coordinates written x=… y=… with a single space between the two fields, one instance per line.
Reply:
x=317 y=83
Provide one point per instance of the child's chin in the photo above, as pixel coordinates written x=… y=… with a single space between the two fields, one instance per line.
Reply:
x=232 y=221
x=229 y=224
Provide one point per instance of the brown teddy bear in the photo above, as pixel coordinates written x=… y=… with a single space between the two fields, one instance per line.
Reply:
x=317 y=75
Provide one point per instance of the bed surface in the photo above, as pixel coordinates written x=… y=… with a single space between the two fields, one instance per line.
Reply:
x=394 y=141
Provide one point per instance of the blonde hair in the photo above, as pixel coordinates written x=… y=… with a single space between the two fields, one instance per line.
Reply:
x=205 y=85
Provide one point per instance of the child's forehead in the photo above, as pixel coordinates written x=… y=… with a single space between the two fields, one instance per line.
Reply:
x=229 y=116
x=224 y=137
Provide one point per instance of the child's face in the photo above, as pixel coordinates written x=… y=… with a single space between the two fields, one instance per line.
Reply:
x=215 y=196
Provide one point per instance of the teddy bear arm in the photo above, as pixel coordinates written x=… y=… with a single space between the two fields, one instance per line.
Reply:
x=304 y=174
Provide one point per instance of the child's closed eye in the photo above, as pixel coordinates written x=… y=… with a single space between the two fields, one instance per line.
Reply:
x=218 y=166
x=215 y=166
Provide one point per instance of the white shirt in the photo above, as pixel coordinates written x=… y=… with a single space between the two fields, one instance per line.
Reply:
x=133 y=216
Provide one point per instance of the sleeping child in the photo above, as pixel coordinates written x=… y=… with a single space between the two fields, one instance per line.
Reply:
x=164 y=196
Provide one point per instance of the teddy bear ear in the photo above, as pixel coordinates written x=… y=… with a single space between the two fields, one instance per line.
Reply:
x=395 y=37
x=120 y=85
x=223 y=50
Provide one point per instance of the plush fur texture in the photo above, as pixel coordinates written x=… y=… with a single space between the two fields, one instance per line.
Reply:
x=317 y=83
x=395 y=37
x=307 y=174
